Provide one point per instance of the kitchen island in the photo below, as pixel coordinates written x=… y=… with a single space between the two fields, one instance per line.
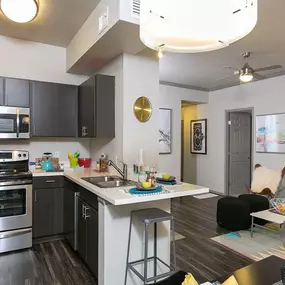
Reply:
x=114 y=209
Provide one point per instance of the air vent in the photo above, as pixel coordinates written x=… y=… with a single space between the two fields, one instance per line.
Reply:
x=136 y=6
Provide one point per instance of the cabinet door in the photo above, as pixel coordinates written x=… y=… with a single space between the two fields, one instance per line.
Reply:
x=44 y=106
x=57 y=227
x=92 y=239
x=43 y=212
x=81 y=234
x=69 y=208
x=1 y=91
x=67 y=118
x=86 y=108
x=105 y=106
x=17 y=93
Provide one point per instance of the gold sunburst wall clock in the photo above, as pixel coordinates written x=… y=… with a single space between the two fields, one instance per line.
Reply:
x=142 y=109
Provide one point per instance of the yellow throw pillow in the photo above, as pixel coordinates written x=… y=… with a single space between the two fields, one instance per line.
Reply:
x=231 y=281
x=189 y=280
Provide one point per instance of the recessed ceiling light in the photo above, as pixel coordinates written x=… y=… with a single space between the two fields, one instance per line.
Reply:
x=20 y=11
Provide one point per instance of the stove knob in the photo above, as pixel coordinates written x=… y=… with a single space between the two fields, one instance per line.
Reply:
x=24 y=155
x=19 y=155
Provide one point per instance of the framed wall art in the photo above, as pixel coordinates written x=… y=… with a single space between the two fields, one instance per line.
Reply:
x=270 y=133
x=198 y=136
x=165 y=131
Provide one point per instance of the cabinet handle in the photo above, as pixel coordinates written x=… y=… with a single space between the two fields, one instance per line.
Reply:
x=34 y=130
x=50 y=181
x=83 y=211
x=84 y=131
x=86 y=215
x=35 y=195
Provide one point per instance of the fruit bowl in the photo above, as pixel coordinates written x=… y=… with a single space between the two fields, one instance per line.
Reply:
x=278 y=204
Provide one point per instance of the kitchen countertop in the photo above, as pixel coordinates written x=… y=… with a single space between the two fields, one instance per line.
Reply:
x=118 y=196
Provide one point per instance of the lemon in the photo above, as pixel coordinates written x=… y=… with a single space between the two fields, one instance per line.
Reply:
x=166 y=176
x=146 y=185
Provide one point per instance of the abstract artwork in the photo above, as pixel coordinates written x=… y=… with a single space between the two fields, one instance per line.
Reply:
x=270 y=133
x=165 y=116
x=198 y=136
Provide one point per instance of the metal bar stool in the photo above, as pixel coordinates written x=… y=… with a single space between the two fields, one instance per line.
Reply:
x=148 y=217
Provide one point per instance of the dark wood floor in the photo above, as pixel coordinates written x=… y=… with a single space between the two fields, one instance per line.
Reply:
x=206 y=260
x=54 y=263
x=49 y=263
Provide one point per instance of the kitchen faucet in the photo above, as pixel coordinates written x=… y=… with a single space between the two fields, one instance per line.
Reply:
x=123 y=172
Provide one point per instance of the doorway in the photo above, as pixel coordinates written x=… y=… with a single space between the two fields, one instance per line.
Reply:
x=239 y=148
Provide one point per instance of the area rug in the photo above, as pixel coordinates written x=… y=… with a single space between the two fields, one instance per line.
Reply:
x=205 y=196
x=264 y=243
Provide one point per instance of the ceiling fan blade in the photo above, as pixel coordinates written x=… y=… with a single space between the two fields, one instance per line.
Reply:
x=225 y=77
x=231 y=68
x=258 y=76
x=272 y=67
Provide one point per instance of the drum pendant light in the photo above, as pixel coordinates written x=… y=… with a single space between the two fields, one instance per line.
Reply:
x=190 y=26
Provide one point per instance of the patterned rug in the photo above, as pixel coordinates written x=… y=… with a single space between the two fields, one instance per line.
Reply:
x=205 y=196
x=263 y=244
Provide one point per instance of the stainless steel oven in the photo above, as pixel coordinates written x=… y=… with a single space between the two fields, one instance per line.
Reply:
x=15 y=201
x=14 y=123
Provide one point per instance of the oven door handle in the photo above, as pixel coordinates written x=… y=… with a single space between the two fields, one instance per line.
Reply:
x=15 y=233
x=18 y=122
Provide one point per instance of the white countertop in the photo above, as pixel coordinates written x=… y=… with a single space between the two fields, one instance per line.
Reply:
x=119 y=196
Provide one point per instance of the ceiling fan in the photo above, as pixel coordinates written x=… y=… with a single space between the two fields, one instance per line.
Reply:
x=247 y=73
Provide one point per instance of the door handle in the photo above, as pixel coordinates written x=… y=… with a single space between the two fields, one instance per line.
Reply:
x=50 y=181
x=86 y=215
x=15 y=233
x=83 y=211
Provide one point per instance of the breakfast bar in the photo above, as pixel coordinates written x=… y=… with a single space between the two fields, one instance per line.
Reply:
x=114 y=209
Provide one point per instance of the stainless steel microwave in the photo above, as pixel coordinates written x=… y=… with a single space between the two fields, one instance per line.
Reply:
x=14 y=123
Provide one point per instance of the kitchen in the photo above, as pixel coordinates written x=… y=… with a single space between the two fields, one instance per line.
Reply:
x=68 y=112
x=65 y=204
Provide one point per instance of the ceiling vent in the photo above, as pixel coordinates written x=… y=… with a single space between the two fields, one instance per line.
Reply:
x=136 y=7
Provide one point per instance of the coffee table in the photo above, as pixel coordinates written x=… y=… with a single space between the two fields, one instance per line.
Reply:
x=267 y=216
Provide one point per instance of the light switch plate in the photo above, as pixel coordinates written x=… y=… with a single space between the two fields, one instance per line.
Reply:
x=103 y=20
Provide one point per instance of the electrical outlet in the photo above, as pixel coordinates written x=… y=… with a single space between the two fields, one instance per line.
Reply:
x=56 y=154
x=116 y=159
x=103 y=21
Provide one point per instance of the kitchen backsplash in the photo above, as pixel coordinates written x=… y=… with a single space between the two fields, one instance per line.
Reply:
x=36 y=147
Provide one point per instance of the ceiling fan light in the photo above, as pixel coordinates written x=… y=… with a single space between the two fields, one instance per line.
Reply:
x=20 y=11
x=246 y=77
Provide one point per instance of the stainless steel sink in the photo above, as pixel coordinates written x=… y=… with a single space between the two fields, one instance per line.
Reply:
x=95 y=180
x=115 y=183
x=108 y=181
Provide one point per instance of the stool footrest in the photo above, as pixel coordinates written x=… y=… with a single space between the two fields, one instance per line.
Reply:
x=131 y=266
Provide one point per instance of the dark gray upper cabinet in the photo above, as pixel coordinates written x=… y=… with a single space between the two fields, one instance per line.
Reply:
x=96 y=107
x=14 y=92
x=17 y=93
x=53 y=110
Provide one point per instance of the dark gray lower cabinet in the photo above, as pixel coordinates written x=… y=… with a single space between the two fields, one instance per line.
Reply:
x=88 y=235
x=47 y=212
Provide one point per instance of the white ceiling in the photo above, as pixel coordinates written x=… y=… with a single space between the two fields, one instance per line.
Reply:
x=57 y=22
x=266 y=42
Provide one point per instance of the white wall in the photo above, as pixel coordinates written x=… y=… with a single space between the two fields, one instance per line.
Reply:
x=171 y=97
x=35 y=61
x=141 y=78
x=266 y=96
x=36 y=147
x=112 y=147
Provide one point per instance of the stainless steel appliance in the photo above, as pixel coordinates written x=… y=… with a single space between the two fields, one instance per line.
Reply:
x=15 y=201
x=14 y=123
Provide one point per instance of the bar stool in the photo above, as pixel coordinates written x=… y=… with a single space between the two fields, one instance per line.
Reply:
x=148 y=217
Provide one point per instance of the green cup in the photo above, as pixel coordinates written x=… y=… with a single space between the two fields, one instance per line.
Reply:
x=73 y=162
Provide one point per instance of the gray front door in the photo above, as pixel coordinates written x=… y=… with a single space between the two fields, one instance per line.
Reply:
x=239 y=153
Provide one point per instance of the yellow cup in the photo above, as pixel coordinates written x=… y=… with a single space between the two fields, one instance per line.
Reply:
x=73 y=162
